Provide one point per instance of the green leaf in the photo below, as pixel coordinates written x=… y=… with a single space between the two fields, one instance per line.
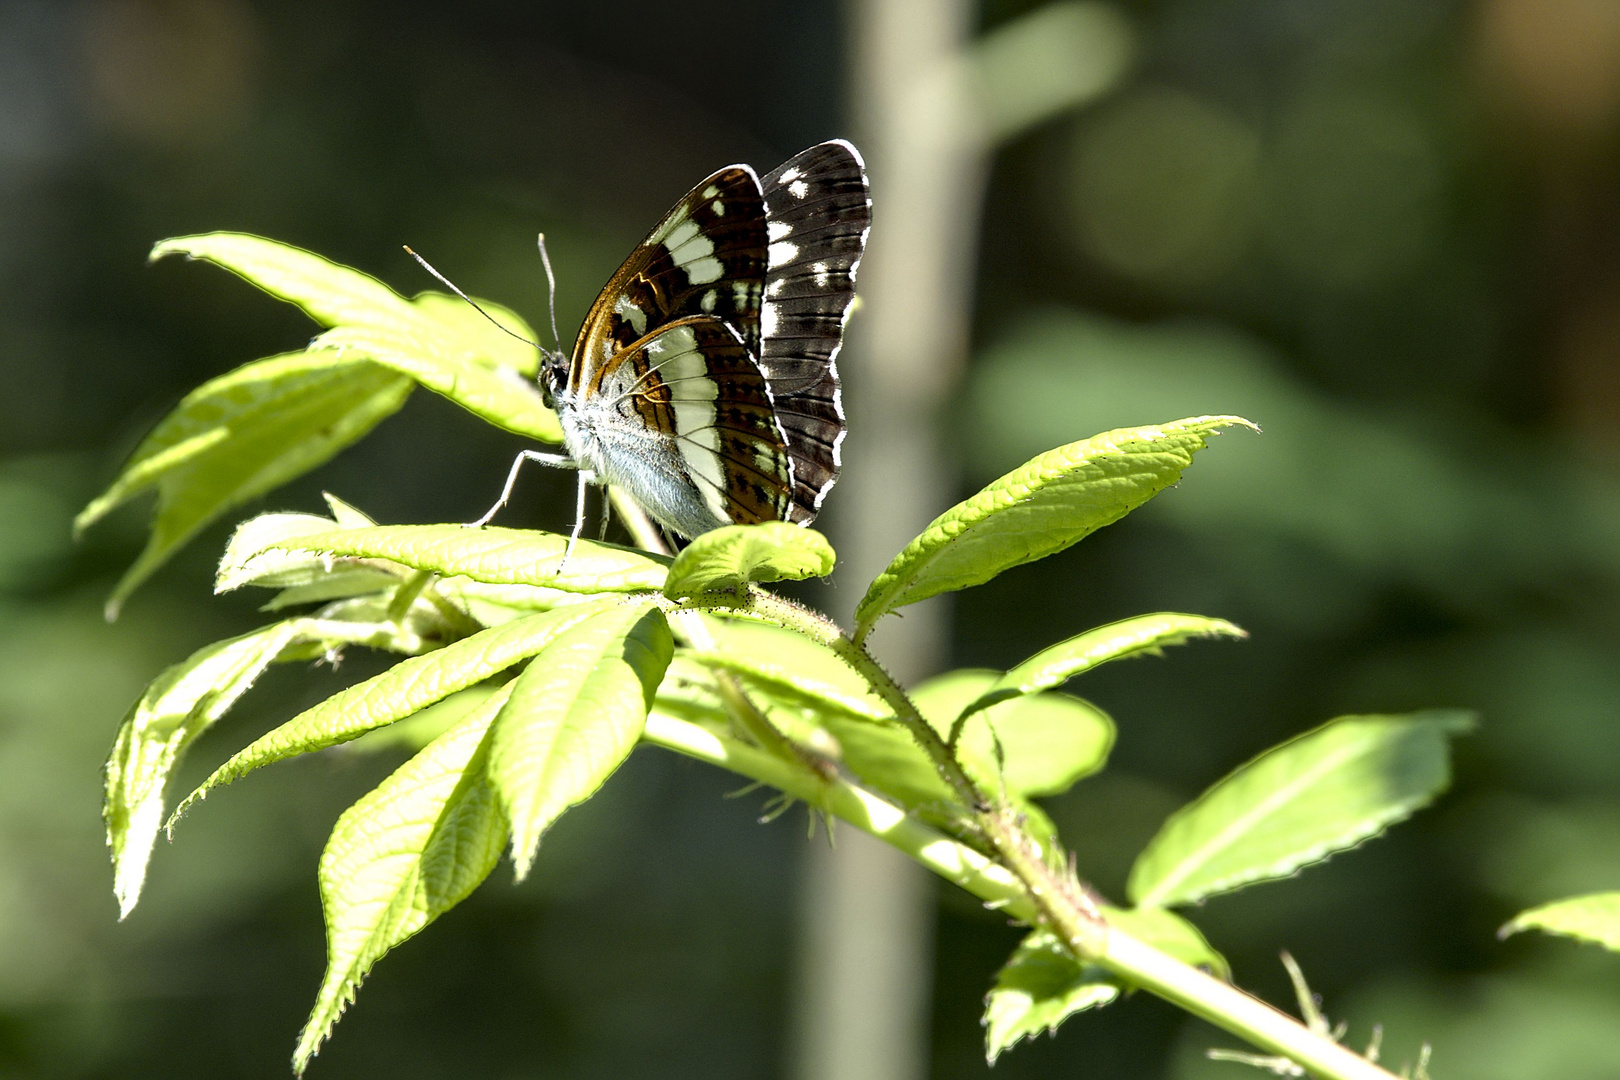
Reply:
x=175 y=709
x=728 y=558
x=497 y=394
x=1594 y=917
x=403 y=689
x=1043 y=984
x=410 y=850
x=574 y=716
x=1046 y=741
x=496 y=556
x=329 y=293
x=1050 y=741
x=1297 y=803
x=240 y=435
x=1054 y=666
x=1037 y=510
x=471 y=331
x=790 y=664
x=252 y=559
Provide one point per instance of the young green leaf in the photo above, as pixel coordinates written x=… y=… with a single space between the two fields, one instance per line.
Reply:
x=726 y=559
x=495 y=556
x=406 y=853
x=497 y=394
x=339 y=584
x=175 y=709
x=1037 y=510
x=574 y=716
x=346 y=516
x=790 y=664
x=240 y=435
x=1594 y=917
x=473 y=333
x=1054 y=666
x=1047 y=741
x=329 y=293
x=251 y=559
x=1043 y=984
x=403 y=689
x=1297 y=803
x=1051 y=740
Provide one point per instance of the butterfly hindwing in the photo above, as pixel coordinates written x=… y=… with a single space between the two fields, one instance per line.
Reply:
x=707 y=257
x=697 y=384
x=818 y=213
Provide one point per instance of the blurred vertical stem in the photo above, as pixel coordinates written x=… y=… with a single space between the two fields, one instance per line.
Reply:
x=929 y=106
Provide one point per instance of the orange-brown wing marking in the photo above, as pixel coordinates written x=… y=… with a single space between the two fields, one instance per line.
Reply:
x=707 y=257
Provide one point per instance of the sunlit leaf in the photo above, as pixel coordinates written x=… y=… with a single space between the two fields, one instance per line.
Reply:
x=175 y=709
x=498 y=394
x=496 y=556
x=1042 y=984
x=792 y=664
x=483 y=342
x=406 y=853
x=1594 y=918
x=239 y=436
x=403 y=689
x=1298 y=803
x=1144 y=634
x=329 y=293
x=1038 y=510
x=727 y=558
x=574 y=716
x=1039 y=744
x=252 y=559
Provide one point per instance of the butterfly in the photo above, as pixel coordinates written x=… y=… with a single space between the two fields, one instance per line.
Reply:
x=703 y=381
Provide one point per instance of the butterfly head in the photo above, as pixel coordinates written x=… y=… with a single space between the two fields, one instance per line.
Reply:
x=554 y=365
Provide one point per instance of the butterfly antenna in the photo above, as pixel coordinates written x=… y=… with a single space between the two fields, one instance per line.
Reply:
x=447 y=283
x=551 y=290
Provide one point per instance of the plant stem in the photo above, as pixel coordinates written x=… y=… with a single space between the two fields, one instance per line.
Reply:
x=1136 y=963
x=1065 y=906
x=1019 y=881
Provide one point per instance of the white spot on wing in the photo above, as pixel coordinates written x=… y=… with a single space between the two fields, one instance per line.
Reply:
x=790 y=175
x=798 y=189
x=820 y=271
x=782 y=253
x=777 y=230
x=630 y=313
x=769 y=320
x=703 y=270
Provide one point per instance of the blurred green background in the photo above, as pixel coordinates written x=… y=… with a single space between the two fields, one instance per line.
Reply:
x=1386 y=230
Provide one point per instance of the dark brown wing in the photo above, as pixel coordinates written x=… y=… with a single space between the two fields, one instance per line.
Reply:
x=707 y=257
x=818 y=211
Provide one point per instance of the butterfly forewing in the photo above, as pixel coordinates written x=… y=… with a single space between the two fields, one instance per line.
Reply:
x=707 y=257
x=818 y=212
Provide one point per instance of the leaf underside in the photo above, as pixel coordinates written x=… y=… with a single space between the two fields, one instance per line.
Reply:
x=1297 y=803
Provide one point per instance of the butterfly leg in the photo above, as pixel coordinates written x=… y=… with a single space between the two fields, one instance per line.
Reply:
x=602 y=526
x=586 y=478
x=556 y=461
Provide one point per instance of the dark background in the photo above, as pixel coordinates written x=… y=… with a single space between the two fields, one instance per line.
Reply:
x=1384 y=229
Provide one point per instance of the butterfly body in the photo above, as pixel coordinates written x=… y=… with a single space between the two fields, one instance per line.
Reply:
x=702 y=381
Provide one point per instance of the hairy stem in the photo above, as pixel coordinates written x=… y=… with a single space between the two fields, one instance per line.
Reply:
x=1020 y=880
x=1061 y=903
